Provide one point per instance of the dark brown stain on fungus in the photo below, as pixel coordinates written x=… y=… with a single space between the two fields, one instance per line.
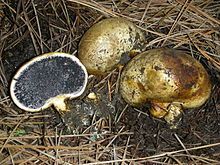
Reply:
x=124 y=58
x=157 y=68
x=185 y=75
x=142 y=70
x=141 y=87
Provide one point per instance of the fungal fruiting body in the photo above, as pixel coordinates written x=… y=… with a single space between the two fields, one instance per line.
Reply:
x=48 y=80
x=108 y=43
x=171 y=80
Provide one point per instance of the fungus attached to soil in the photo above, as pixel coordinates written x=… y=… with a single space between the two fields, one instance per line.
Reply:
x=169 y=79
x=48 y=80
x=109 y=43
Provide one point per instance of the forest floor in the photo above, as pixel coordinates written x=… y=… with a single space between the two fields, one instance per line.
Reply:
x=107 y=131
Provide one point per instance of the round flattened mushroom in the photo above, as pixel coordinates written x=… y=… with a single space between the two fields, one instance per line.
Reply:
x=48 y=80
x=109 y=43
x=169 y=79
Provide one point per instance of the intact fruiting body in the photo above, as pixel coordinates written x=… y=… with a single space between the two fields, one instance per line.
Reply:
x=48 y=80
x=108 y=43
x=168 y=79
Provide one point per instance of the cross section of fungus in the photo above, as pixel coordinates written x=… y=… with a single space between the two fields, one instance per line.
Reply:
x=48 y=79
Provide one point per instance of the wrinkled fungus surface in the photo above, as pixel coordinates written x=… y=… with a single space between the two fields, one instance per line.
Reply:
x=166 y=76
x=109 y=43
x=170 y=80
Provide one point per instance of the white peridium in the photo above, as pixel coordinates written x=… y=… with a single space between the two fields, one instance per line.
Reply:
x=54 y=80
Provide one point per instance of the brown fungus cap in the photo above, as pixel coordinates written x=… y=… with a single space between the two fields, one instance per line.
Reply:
x=109 y=43
x=166 y=78
x=48 y=80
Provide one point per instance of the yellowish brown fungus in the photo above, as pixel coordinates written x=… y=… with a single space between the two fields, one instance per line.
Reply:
x=48 y=80
x=169 y=79
x=108 y=43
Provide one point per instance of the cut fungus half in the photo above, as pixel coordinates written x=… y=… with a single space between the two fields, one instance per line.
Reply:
x=171 y=80
x=48 y=80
